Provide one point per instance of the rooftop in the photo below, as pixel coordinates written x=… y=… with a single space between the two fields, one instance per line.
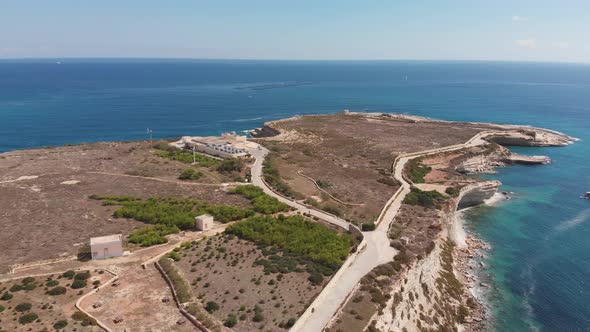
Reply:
x=105 y=239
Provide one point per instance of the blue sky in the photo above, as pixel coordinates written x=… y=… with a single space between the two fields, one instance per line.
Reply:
x=522 y=30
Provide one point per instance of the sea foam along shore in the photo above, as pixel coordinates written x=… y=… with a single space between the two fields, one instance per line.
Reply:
x=470 y=254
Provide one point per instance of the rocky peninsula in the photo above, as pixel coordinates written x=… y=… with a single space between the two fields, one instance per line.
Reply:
x=428 y=283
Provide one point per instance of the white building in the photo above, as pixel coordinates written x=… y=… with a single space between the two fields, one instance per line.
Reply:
x=222 y=147
x=106 y=246
x=204 y=222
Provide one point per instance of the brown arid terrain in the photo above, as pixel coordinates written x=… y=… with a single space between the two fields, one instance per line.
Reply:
x=264 y=271
x=422 y=288
x=136 y=303
x=350 y=156
x=46 y=302
x=222 y=270
x=45 y=191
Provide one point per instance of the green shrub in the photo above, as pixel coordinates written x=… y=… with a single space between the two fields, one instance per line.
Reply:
x=316 y=278
x=453 y=191
x=273 y=178
x=28 y=318
x=23 y=307
x=424 y=198
x=78 y=283
x=262 y=203
x=462 y=313
x=211 y=306
x=290 y=322
x=82 y=275
x=332 y=210
x=16 y=288
x=28 y=280
x=152 y=235
x=2 y=308
x=298 y=235
x=230 y=165
x=416 y=171
x=368 y=227
x=181 y=286
x=387 y=180
x=59 y=290
x=190 y=174
x=231 y=320
x=174 y=256
x=52 y=283
x=6 y=296
x=83 y=318
x=173 y=214
x=29 y=287
x=60 y=324
x=69 y=274
x=258 y=317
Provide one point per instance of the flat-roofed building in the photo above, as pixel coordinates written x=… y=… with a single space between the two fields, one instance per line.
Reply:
x=106 y=246
x=223 y=147
x=204 y=222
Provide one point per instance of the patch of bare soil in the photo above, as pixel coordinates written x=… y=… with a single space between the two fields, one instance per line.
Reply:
x=351 y=155
x=137 y=300
x=45 y=193
x=221 y=269
x=49 y=309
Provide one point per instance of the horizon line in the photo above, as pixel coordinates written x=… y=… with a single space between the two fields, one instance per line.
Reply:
x=293 y=60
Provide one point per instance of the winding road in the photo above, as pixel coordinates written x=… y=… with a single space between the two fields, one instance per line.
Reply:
x=374 y=250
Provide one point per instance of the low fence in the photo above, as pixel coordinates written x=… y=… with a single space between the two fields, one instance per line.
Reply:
x=188 y=316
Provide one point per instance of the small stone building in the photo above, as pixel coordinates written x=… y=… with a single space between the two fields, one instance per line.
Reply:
x=106 y=246
x=204 y=222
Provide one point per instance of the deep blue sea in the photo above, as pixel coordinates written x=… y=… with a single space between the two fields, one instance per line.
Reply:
x=540 y=261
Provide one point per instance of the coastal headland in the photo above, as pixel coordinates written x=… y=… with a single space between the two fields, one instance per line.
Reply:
x=383 y=188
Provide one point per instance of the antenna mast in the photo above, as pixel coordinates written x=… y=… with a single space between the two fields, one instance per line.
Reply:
x=149 y=133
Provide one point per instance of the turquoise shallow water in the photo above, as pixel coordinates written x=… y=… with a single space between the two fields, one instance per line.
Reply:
x=540 y=260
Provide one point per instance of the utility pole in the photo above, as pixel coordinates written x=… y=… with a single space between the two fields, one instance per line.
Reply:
x=149 y=133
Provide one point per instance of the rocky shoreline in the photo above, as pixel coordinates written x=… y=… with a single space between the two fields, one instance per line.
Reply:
x=468 y=263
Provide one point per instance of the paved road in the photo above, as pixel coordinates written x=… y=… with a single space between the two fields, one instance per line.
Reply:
x=260 y=154
x=374 y=250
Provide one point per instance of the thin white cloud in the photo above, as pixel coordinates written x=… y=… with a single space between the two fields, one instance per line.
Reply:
x=517 y=18
x=560 y=44
x=526 y=43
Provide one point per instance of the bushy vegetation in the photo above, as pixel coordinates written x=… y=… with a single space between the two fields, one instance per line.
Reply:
x=230 y=165
x=424 y=198
x=60 y=324
x=297 y=235
x=365 y=227
x=231 y=320
x=152 y=235
x=59 y=290
x=6 y=296
x=261 y=202
x=190 y=174
x=273 y=177
x=179 y=212
x=211 y=306
x=186 y=156
x=453 y=191
x=22 y=307
x=416 y=171
x=388 y=180
x=52 y=283
x=28 y=318
x=83 y=318
x=181 y=286
x=78 y=283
